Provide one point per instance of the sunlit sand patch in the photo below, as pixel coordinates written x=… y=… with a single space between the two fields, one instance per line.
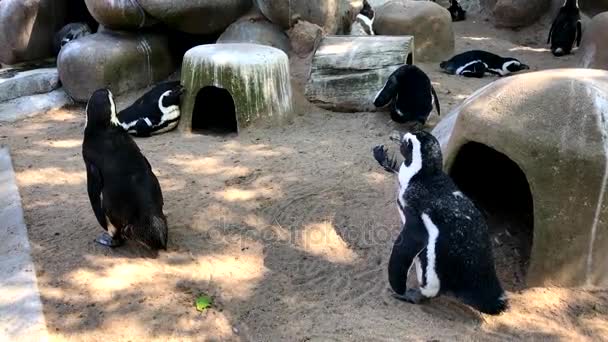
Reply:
x=68 y=143
x=321 y=239
x=234 y=194
x=207 y=166
x=50 y=176
x=375 y=178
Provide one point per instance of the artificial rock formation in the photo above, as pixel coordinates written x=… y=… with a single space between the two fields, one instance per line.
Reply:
x=255 y=76
x=120 y=14
x=594 y=47
x=256 y=29
x=429 y=23
x=555 y=132
x=348 y=71
x=120 y=61
x=516 y=13
x=593 y=7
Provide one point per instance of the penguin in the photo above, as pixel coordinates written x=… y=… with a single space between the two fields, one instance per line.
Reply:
x=566 y=28
x=476 y=63
x=411 y=93
x=68 y=33
x=366 y=18
x=124 y=192
x=443 y=234
x=157 y=111
x=457 y=13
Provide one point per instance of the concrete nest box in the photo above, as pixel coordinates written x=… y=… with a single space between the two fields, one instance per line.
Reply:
x=532 y=152
x=230 y=86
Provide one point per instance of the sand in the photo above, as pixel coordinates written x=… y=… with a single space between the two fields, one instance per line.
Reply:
x=288 y=229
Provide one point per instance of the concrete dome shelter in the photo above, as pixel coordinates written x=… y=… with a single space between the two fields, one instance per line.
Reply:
x=532 y=152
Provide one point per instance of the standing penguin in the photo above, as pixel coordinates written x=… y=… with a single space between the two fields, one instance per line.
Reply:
x=476 y=63
x=157 y=111
x=457 y=13
x=411 y=93
x=566 y=28
x=444 y=235
x=366 y=18
x=124 y=192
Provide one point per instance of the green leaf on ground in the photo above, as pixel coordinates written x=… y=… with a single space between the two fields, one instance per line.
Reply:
x=203 y=303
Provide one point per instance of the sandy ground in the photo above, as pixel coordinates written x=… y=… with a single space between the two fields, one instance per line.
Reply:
x=288 y=229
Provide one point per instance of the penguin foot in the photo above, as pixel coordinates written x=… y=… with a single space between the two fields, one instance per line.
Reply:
x=413 y=296
x=106 y=240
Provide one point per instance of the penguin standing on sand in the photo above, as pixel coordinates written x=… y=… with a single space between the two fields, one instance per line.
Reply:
x=566 y=28
x=157 y=111
x=457 y=13
x=411 y=93
x=124 y=192
x=444 y=235
x=476 y=63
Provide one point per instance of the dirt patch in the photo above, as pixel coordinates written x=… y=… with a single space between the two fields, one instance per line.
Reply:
x=288 y=229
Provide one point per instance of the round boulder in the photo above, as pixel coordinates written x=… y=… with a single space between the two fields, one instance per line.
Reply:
x=119 y=61
x=334 y=16
x=593 y=7
x=429 y=23
x=257 y=30
x=196 y=16
x=538 y=160
x=516 y=13
x=119 y=14
x=27 y=28
x=594 y=47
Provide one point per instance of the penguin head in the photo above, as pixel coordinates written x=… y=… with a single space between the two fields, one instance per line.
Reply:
x=171 y=97
x=513 y=65
x=421 y=151
x=367 y=10
x=101 y=110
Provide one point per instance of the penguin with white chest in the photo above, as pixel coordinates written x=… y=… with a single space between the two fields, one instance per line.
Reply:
x=156 y=112
x=566 y=28
x=477 y=63
x=410 y=93
x=366 y=18
x=124 y=192
x=443 y=234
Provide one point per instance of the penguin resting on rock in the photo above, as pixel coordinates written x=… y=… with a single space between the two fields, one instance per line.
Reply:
x=411 y=93
x=566 y=28
x=443 y=234
x=476 y=63
x=157 y=111
x=125 y=195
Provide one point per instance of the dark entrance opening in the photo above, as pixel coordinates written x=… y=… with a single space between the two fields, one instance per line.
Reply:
x=214 y=112
x=410 y=59
x=499 y=188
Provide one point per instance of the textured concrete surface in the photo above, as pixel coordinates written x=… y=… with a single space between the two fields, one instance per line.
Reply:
x=21 y=316
x=28 y=83
x=27 y=106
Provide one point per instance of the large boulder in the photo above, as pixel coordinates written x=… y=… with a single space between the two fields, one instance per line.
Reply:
x=429 y=23
x=304 y=37
x=516 y=13
x=30 y=82
x=119 y=14
x=120 y=61
x=256 y=29
x=593 y=7
x=27 y=28
x=334 y=16
x=594 y=47
x=196 y=16
x=554 y=136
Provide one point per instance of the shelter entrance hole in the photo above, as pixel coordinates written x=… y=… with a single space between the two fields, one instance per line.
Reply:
x=500 y=189
x=214 y=112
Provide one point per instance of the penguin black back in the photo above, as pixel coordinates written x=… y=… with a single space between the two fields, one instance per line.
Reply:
x=411 y=93
x=443 y=233
x=124 y=192
x=566 y=29
x=476 y=63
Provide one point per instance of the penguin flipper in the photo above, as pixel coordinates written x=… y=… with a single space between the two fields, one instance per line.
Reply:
x=94 y=188
x=551 y=30
x=388 y=163
x=436 y=100
x=579 y=33
x=387 y=93
x=142 y=129
x=411 y=241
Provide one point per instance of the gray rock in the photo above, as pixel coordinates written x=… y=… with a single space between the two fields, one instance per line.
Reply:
x=304 y=37
x=119 y=61
x=120 y=14
x=197 y=16
x=555 y=132
x=27 y=83
x=256 y=30
x=27 y=106
x=334 y=16
x=594 y=47
x=27 y=28
x=516 y=13
x=429 y=23
x=593 y=7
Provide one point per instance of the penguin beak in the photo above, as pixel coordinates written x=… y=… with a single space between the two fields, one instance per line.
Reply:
x=525 y=67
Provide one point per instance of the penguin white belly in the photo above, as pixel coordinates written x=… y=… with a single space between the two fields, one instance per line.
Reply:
x=418 y=271
x=462 y=68
x=432 y=286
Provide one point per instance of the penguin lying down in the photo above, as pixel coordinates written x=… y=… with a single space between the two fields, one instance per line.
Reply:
x=410 y=93
x=443 y=234
x=157 y=111
x=124 y=192
x=477 y=63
